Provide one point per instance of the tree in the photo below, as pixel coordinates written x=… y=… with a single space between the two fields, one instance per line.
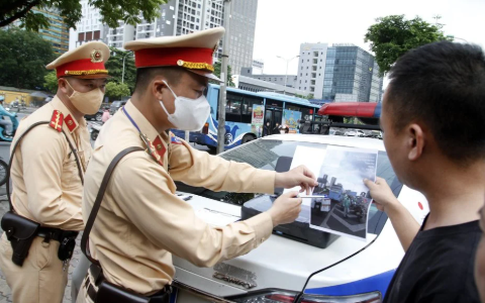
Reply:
x=116 y=90
x=217 y=72
x=24 y=56
x=111 y=11
x=115 y=67
x=392 y=36
x=50 y=82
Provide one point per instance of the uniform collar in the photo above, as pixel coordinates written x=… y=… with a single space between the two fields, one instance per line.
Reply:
x=147 y=129
x=69 y=120
x=145 y=126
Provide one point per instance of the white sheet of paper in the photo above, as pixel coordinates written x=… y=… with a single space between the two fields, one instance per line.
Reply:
x=216 y=218
x=312 y=158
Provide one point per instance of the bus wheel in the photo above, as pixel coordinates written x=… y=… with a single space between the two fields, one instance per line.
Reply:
x=247 y=138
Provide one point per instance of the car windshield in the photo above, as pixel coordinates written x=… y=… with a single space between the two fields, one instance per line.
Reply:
x=264 y=154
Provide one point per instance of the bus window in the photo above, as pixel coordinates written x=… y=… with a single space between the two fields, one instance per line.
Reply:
x=247 y=107
x=233 y=107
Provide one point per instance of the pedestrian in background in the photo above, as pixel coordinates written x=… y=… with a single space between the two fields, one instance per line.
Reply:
x=106 y=114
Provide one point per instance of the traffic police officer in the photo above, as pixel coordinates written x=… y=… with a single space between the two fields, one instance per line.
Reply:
x=141 y=221
x=47 y=171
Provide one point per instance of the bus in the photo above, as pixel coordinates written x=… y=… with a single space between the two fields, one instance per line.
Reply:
x=247 y=112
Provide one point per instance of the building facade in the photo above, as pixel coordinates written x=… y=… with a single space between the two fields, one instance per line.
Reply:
x=178 y=17
x=311 y=67
x=338 y=72
x=351 y=75
x=255 y=85
x=57 y=33
x=288 y=80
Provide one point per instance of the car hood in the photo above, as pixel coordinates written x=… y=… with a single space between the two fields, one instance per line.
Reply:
x=286 y=264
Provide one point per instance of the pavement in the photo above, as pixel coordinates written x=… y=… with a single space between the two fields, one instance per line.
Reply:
x=5 y=294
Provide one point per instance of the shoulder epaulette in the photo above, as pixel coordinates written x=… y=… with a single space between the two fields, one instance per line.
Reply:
x=57 y=120
x=174 y=139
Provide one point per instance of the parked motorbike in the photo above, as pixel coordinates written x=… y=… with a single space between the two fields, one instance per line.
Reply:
x=94 y=129
x=4 y=136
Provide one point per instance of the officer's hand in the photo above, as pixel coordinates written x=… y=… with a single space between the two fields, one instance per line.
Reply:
x=285 y=209
x=382 y=194
x=298 y=176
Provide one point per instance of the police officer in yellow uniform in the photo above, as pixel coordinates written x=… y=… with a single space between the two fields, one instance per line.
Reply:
x=47 y=174
x=141 y=222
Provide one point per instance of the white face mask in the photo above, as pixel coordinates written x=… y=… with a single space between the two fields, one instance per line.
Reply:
x=189 y=114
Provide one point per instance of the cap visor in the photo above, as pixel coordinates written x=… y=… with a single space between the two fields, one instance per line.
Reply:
x=206 y=74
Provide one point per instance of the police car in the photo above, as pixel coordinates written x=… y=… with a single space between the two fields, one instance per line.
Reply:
x=285 y=268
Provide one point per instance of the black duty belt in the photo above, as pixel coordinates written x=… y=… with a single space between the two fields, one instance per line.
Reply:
x=55 y=234
x=162 y=296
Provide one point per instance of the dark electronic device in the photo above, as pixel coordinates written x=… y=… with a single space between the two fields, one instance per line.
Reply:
x=300 y=229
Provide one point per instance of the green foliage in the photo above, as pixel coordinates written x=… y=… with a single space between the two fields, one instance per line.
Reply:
x=24 y=56
x=308 y=97
x=392 y=36
x=217 y=72
x=111 y=11
x=115 y=91
x=50 y=82
x=115 y=67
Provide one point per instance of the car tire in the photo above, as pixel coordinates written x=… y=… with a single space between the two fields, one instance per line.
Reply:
x=94 y=135
x=98 y=117
x=247 y=138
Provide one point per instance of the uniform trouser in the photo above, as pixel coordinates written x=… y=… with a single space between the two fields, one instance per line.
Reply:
x=78 y=276
x=40 y=279
x=83 y=296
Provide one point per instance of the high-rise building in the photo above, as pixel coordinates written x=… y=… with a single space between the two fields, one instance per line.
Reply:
x=178 y=17
x=311 y=67
x=242 y=27
x=338 y=72
x=57 y=33
x=351 y=74
x=288 y=80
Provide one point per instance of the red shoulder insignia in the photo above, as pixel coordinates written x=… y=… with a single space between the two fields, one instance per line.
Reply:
x=57 y=120
x=70 y=122
x=159 y=147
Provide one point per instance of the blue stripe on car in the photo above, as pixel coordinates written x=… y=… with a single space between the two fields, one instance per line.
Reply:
x=378 y=282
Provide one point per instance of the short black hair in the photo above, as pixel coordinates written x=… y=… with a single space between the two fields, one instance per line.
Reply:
x=145 y=75
x=442 y=85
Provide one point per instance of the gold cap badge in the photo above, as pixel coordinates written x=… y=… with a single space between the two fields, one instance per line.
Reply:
x=96 y=56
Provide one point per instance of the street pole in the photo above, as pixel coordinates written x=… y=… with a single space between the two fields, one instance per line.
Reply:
x=221 y=130
x=123 y=73
x=286 y=77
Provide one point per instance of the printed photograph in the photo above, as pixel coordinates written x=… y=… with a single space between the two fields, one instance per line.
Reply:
x=340 y=203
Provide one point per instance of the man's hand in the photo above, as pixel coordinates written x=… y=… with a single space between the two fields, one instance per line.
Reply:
x=299 y=176
x=285 y=209
x=382 y=194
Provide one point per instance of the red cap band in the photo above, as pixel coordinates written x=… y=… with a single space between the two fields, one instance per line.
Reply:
x=81 y=67
x=188 y=57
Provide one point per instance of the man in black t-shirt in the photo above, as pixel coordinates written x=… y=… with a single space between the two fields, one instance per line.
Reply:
x=432 y=122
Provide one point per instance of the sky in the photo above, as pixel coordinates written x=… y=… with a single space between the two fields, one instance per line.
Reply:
x=282 y=25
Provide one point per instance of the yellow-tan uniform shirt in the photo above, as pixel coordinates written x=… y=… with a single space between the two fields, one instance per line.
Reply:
x=47 y=187
x=141 y=222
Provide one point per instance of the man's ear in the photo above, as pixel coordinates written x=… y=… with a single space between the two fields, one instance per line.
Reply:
x=416 y=141
x=157 y=88
x=63 y=86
